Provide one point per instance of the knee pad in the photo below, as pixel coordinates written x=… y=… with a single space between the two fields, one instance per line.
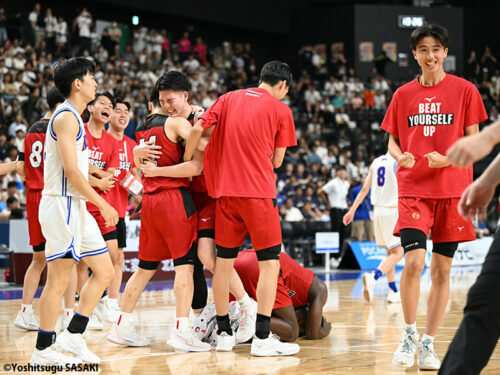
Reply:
x=227 y=252
x=38 y=248
x=446 y=249
x=412 y=239
x=200 y=294
x=188 y=258
x=271 y=253
x=148 y=265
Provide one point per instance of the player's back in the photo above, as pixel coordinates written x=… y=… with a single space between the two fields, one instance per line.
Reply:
x=153 y=129
x=34 y=143
x=384 y=185
x=296 y=278
x=55 y=180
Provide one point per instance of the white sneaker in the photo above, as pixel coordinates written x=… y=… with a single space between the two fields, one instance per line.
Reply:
x=427 y=358
x=187 y=342
x=393 y=297
x=225 y=342
x=204 y=325
x=246 y=328
x=27 y=320
x=368 y=286
x=125 y=334
x=272 y=346
x=102 y=311
x=113 y=310
x=94 y=323
x=234 y=313
x=52 y=356
x=404 y=356
x=75 y=344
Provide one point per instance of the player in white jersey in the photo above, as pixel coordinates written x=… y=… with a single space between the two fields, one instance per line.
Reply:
x=71 y=233
x=381 y=181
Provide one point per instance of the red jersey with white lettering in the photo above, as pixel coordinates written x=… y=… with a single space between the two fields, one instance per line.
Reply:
x=197 y=184
x=153 y=129
x=34 y=142
x=432 y=118
x=119 y=194
x=249 y=125
x=103 y=154
x=294 y=281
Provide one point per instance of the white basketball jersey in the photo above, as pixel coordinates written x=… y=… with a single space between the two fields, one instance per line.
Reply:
x=55 y=182
x=384 y=190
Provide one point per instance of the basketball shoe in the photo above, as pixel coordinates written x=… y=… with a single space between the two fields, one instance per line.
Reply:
x=102 y=311
x=248 y=316
x=225 y=342
x=123 y=332
x=368 y=286
x=427 y=358
x=52 y=356
x=187 y=342
x=75 y=344
x=272 y=346
x=404 y=356
x=393 y=297
x=26 y=319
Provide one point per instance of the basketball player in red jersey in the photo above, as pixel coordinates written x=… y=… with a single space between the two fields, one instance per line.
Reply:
x=175 y=103
x=30 y=166
x=103 y=161
x=300 y=297
x=118 y=122
x=250 y=130
x=168 y=231
x=424 y=118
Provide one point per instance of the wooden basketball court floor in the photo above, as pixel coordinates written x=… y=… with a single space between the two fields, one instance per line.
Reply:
x=362 y=340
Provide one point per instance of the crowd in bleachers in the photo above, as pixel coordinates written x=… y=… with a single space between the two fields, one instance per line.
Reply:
x=337 y=114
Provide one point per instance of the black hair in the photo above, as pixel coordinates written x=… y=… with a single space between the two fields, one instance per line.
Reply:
x=121 y=101
x=17 y=213
x=11 y=200
x=54 y=97
x=12 y=184
x=436 y=31
x=155 y=98
x=341 y=168
x=173 y=80
x=275 y=71
x=67 y=71
x=106 y=94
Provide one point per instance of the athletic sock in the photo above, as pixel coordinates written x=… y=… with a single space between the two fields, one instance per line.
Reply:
x=68 y=312
x=427 y=337
x=25 y=308
x=223 y=325
x=245 y=302
x=377 y=274
x=45 y=339
x=124 y=318
x=412 y=326
x=78 y=324
x=393 y=286
x=182 y=324
x=262 y=326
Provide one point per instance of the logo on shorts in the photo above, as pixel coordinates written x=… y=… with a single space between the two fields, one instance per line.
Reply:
x=205 y=219
x=415 y=215
x=460 y=228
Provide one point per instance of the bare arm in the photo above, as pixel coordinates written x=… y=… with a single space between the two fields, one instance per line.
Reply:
x=192 y=140
x=348 y=217
x=6 y=168
x=93 y=170
x=278 y=156
x=323 y=196
x=187 y=169
x=284 y=323
x=405 y=159
x=66 y=128
x=316 y=327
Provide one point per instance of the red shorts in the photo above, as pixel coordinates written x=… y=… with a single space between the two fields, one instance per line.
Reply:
x=101 y=222
x=439 y=216
x=205 y=206
x=168 y=225
x=237 y=216
x=34 y=228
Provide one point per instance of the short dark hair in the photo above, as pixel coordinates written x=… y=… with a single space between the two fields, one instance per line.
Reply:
x=436 y=31
x=121 y=101
x=105 y=94
x=340 y=168
x=11 y=200
x=12 y=184
x=54 y=97
x=16 y=213
x=275 y=71
x=173 y=80
x=155 y=97
x=69 y=70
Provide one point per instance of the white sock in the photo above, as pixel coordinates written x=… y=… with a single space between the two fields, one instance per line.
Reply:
x=427 y=337
x=26 y=308
x=124 y=317
x=413 y=326
x=113 y=300
x=182 y=325
x=245 y=302
x=68 y=312
x=196 y=315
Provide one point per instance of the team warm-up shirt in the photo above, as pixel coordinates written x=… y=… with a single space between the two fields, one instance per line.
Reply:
x=55 y=181
x=103 y=154
x=119 y=194
x=384 y=188
x=294 y=281
x=153 y=129
x=249 y=125
x=34 y=142
x=432 y=118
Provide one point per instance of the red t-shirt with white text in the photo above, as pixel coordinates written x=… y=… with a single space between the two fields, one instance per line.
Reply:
x=249 y=125
x=432 y=118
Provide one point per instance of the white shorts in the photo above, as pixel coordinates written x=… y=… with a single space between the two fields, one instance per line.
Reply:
x=384 y=221
x=69 y=228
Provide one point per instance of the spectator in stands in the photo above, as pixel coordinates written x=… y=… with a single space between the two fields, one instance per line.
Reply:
x=292 y=213
x=3 y=27
x=12 y=203
x=84 y=24
x=184 y=46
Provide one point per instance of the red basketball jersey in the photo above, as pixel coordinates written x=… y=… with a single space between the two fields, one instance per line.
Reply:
x=153 y=129
x=197 y=184
x=34 y=154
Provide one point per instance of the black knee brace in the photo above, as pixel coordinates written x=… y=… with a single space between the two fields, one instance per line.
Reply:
x=188 y=258
x=446 y=249
x=200 y=294
x=148 y=264
x=412 y=239
x=227 y=252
